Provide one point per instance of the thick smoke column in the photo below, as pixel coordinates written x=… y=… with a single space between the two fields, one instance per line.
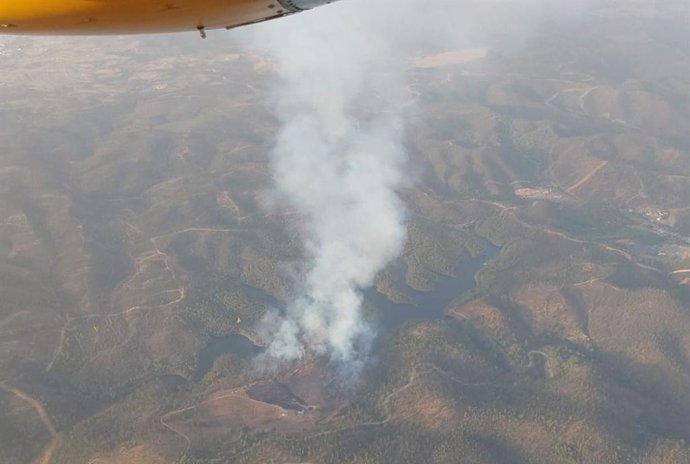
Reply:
x=341 y=99
x=338 y=160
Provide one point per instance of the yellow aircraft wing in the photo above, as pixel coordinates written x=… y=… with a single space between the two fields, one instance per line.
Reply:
x=86 y=17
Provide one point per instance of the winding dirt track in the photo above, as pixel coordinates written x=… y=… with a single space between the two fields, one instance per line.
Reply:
x=174 y=430
x=388 y=417
x=510 y=210
x=588 y=177
x=38 y=407
x=166 y=416
x=47 y=454
x=155 y=252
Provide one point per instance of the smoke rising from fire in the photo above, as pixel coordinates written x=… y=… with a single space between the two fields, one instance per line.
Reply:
x=342 y=101
x=338 y=160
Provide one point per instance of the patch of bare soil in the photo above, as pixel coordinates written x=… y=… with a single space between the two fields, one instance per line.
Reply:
x=142 y=454
x=464 y=56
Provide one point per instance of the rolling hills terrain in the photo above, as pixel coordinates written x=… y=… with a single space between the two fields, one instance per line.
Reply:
x=540 y=312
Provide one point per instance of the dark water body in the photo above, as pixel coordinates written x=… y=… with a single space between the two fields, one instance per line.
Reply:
x=432 y=304
x=632 y=278
x=236 y=344
x=389 y=316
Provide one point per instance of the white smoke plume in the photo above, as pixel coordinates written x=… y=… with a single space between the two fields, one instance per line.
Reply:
x=339 y=161
x=342 y=101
